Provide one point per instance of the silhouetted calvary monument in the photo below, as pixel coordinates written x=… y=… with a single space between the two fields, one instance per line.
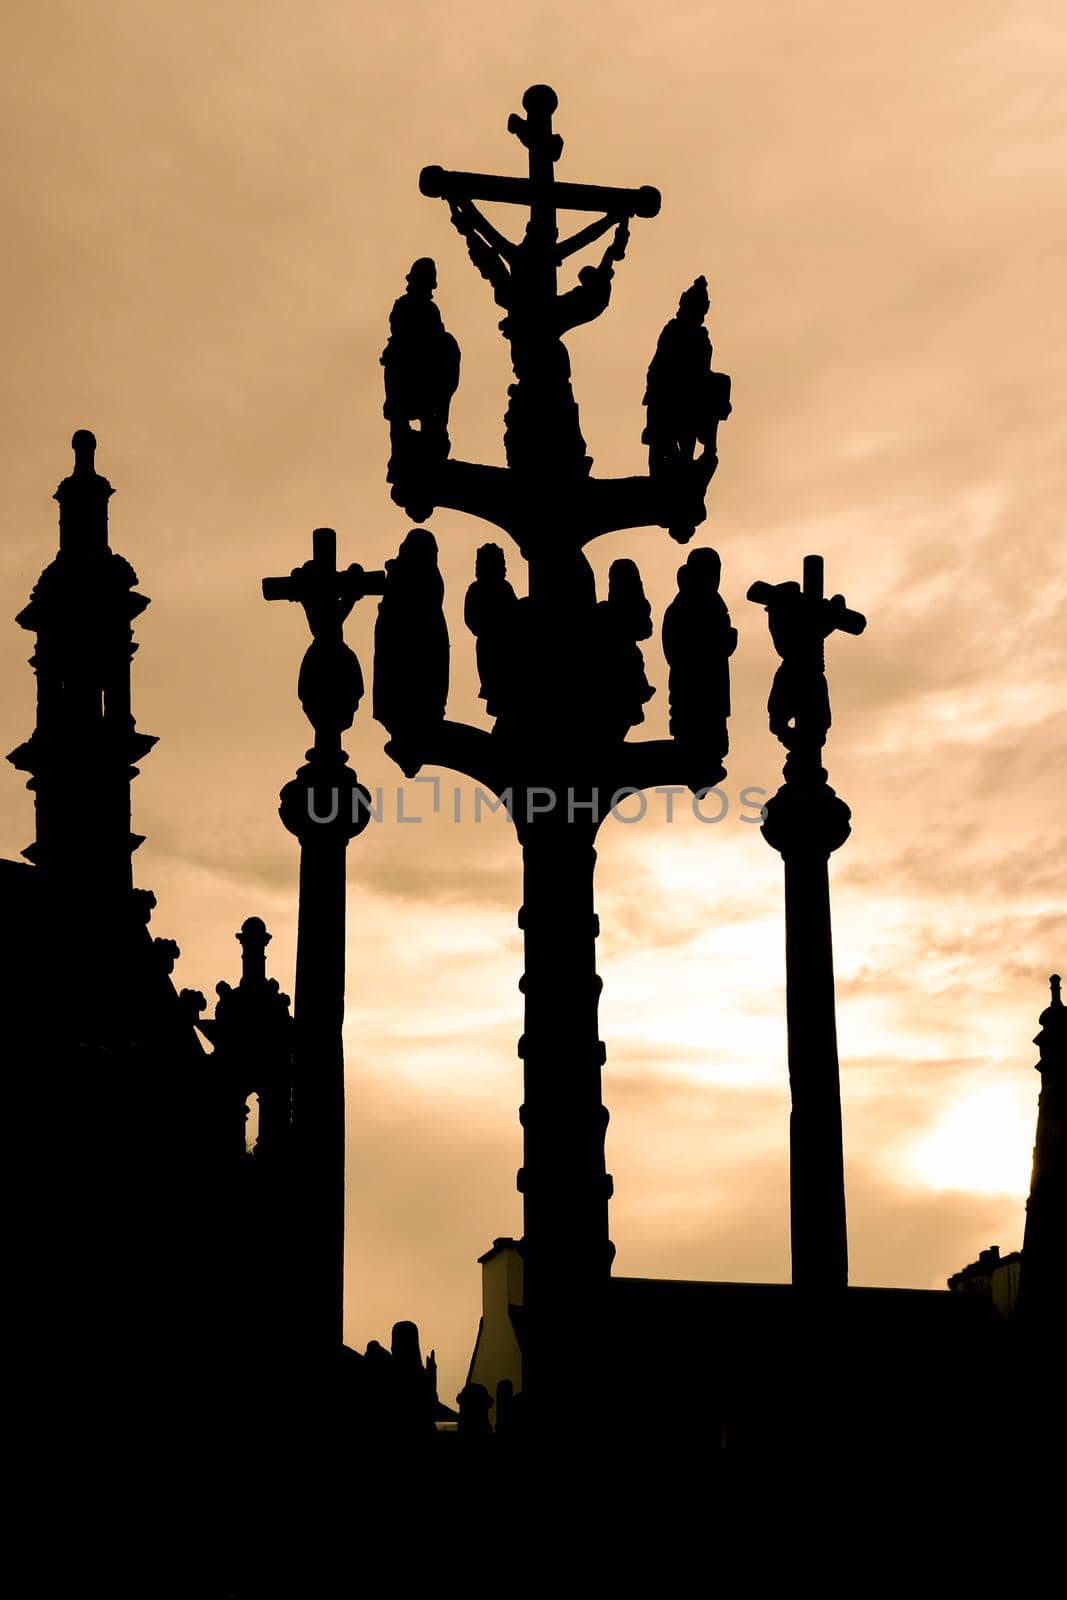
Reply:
x=199 y=1271
x=561 y=672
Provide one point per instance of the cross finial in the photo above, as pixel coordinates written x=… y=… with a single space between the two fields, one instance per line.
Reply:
x=318 y=582
x=1052 y=1038
x=535 y=129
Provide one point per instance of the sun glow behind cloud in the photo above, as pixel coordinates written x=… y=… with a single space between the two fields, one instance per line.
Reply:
x=982 y=1143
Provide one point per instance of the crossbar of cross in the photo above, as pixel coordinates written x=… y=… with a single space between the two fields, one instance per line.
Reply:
x=320 y=580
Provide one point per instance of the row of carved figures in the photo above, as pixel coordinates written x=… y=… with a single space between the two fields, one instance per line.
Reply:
x=574 y=659
x=540 y=662
x=559 y=662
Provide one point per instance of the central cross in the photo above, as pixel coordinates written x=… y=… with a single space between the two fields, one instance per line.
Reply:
x=540 y=192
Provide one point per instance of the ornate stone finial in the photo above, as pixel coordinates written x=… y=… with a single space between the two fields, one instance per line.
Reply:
x=540 y=104
x=540 y=100
x=84 y=446
x=167 y=952
x=253 y=939
x=83 y=498
x=1051 y=1041
x=192 y=1002
x=144 y=903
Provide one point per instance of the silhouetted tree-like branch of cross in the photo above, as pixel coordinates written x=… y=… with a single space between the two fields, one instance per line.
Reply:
x=561 y=671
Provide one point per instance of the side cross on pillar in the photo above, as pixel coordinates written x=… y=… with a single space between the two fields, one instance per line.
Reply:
x=325 y=807
x=806 y=821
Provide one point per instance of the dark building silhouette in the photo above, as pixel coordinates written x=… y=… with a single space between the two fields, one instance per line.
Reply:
x=752 y=1367
x=157 y=1257
x=994 y=1276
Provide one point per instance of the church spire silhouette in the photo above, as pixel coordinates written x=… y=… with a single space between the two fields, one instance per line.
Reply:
x=81 y=756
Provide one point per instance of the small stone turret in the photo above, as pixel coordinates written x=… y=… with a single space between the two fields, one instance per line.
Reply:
x=252 y=1032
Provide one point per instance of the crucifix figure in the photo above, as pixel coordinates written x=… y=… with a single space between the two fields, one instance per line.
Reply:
x=325 y=807
x=800 y=621
x=330 y=685
x=805 y=822
x=547 y=491
x=541 y=425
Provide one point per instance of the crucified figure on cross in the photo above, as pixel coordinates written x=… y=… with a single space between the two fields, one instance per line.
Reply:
x=542 y=421
x=501 y=262
x=325 y=807
x=801 y=619
x=330 y=686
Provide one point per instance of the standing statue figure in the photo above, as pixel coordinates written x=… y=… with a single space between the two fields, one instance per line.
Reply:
x=411 y=652
x=698 y=642
x=685 y=401
x=492 y=611
x=421 y=362
x=624 y=618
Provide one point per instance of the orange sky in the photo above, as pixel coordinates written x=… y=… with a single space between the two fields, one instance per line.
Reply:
x=209 y=211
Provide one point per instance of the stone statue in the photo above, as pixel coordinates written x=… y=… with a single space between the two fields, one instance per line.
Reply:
x=685 y=402
x=411 y=652
x=491 y=612
x=624 y=618
x=698 y=642
x=421 y=362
